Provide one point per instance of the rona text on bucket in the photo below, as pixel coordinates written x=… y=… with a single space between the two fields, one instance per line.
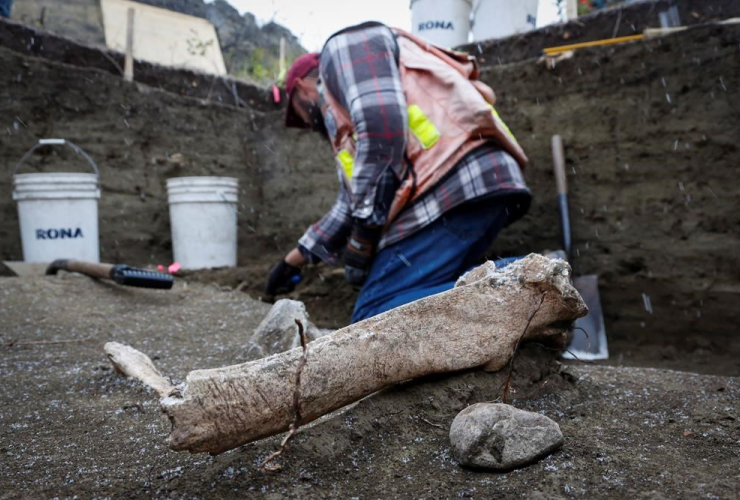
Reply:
x=436 y=25
x=54 y=234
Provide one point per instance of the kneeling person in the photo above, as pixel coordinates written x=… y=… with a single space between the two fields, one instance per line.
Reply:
x=429 y=173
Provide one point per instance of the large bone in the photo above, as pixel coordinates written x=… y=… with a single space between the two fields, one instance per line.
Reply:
x=479 y=322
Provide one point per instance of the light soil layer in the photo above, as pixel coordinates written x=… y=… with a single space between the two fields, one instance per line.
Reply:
x=650 y=131
x=71 y=426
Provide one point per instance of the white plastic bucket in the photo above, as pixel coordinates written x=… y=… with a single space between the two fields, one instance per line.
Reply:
x=445 y=23
x=58 y=212
x=502 y=18
x=203 y=219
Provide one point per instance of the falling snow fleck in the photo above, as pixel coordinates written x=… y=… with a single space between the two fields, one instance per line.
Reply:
x=723 y=84
x=404 y=259
x=647 y=303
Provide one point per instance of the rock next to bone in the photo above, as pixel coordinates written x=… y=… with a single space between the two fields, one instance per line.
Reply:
x=278 y=332
x=500 y=437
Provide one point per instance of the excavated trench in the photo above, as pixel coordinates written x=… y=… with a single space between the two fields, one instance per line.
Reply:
x=650 y=133
x=651 y=142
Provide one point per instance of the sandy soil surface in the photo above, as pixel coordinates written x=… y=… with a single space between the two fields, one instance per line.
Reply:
x=72 y=426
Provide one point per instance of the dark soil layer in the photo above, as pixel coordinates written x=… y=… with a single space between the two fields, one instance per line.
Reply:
x=651 y=144
x=70 y=426
x=651 y=139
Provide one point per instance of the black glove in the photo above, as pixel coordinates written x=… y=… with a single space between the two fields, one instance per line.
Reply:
x=359 y=254
x=283 y=278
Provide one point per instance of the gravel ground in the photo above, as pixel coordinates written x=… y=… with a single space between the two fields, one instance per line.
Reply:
x=73 y=427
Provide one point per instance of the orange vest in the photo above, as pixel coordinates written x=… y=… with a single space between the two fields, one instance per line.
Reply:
x=450 y=113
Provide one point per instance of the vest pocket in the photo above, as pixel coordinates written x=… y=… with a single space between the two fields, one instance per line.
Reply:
x=422 y=127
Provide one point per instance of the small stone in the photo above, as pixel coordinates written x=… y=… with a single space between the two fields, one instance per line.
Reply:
x=501 y=437
x=278 y=332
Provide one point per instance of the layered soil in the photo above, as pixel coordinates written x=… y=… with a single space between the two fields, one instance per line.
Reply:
x=72 y=427
x=650 y=131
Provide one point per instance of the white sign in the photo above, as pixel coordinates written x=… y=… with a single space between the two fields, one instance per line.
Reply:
x=164 y=37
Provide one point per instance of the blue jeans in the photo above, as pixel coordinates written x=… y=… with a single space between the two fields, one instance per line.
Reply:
x=5 y=7
x=431 y=260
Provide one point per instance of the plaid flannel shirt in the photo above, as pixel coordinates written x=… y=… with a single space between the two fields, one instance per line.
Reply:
x=359 y=69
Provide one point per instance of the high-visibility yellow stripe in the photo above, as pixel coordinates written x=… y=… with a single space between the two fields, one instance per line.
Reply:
x=347 y=162
x=422 y=127
x=503 y=123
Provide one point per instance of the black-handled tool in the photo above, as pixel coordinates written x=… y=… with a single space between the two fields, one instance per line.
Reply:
x=120 y=273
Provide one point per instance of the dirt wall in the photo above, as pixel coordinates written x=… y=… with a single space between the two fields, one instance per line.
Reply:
x=651 y=142
x=650 y=132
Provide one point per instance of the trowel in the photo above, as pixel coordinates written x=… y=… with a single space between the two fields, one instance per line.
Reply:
x=589 y=334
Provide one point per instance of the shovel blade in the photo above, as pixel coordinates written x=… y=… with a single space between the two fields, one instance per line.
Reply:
x=592 y=346
x=20 y=268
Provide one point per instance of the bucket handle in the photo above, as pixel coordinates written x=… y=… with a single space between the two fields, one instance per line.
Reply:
x=56 y=142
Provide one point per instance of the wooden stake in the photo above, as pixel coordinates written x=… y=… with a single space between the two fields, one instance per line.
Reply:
x=128 y=70
x=282 y=69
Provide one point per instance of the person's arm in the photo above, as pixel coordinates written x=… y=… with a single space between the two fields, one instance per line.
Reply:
x=324 y=240
x=295 y=258
x=359 y=69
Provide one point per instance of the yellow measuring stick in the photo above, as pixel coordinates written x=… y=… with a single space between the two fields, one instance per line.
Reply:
x=609 y=41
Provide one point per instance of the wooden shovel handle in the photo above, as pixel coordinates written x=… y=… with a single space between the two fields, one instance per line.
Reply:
x=77 y=266
x=558 y=160
x=90 y=268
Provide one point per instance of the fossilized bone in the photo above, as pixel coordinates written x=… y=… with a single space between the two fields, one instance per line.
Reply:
x=135 y=364
x=477 y=323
